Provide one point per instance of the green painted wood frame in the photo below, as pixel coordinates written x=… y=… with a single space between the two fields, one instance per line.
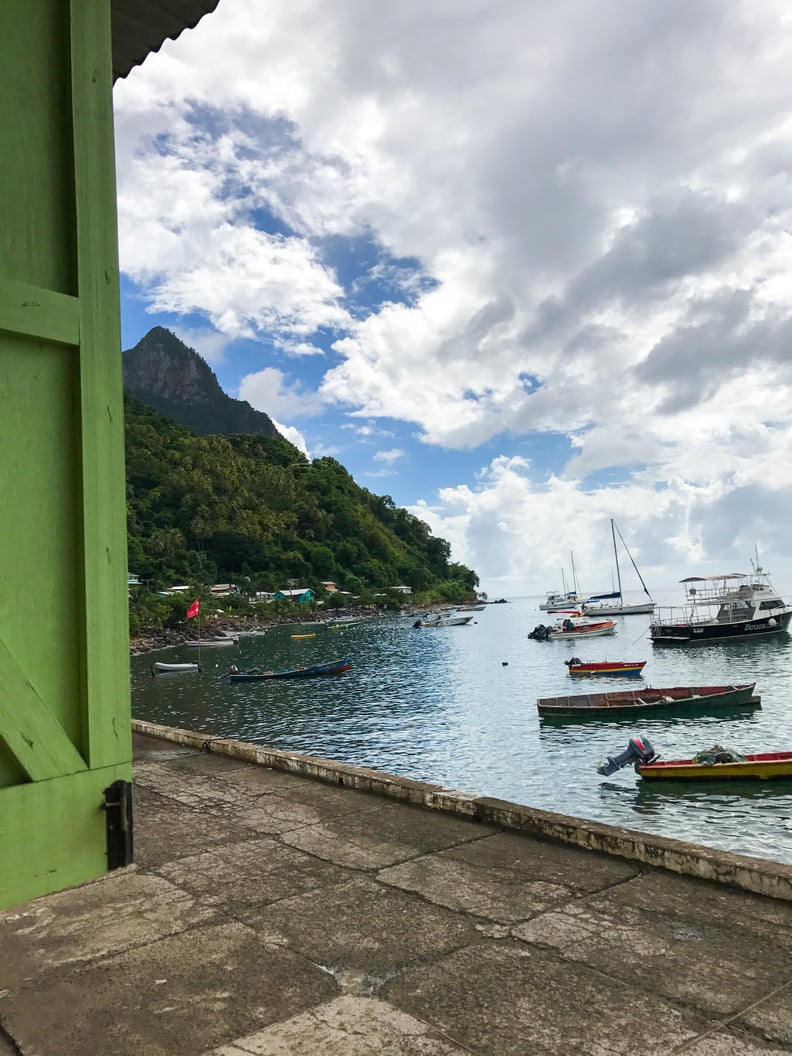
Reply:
x=65 y=729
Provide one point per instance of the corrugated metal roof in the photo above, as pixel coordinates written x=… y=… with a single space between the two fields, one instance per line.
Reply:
x=142 y=26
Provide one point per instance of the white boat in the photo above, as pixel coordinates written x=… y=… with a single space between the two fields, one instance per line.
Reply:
x=158 y=667
x=470 y=608
x=436 y=620
x=211 y=641
x=573 y=625
x=725 y=607
x=564 y=599
x=613 y=604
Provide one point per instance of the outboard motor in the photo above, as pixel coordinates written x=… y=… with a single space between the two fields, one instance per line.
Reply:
x=638 y=752
x=540 y=633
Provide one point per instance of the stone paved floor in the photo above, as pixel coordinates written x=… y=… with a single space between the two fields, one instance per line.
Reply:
x=273 y=915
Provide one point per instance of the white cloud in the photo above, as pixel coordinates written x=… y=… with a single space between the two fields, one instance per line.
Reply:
x=390 y=457
x=269 y=390
x=294 y=436
x=598 y=222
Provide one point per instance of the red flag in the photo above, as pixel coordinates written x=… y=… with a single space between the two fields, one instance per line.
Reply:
x=194 y=609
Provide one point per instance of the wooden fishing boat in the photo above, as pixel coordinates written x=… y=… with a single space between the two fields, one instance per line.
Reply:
x=620 y=668
x=713 y=764
x=331 y=667
x=678 y=700
x=761 y=766
x=158 y=667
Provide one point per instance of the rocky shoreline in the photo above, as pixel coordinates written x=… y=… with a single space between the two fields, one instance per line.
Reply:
x=162 y=638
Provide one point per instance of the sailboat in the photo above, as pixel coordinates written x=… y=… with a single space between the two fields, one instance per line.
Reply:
x=613 y=604
x=555 y=601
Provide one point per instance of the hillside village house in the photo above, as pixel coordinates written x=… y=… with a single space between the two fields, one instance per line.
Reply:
x=299 y=594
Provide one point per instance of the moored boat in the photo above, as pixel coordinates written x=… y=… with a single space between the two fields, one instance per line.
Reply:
x=713 y=764
x=158 y=667
x=573 y=625
x=624 y=668
x=210 y=642
x=721 y=608
x=431 y=620
x=613 y=603
x=677 y=700
x=330 y=667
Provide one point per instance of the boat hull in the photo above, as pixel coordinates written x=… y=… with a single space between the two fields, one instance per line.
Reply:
x=691 y=632
x=760 y=767
x=640 y=609
x=615 y=668
x=160 y=668
x=210 y=642
x=332 y=667
x=678 y=700
x=596 y=630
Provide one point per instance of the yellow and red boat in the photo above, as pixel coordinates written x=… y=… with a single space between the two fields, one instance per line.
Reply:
x=627 y=668
x=714 y=764
x=761 y=766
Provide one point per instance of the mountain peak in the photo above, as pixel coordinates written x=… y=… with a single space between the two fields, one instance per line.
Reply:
x=162 y=372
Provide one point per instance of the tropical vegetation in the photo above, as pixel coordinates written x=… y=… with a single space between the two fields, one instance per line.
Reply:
x=253 y=511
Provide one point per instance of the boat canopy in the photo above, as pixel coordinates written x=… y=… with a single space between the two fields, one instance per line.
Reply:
x=605 y=597
x=713 y=579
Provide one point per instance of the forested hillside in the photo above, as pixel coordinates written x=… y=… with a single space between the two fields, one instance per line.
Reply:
x=251 y=510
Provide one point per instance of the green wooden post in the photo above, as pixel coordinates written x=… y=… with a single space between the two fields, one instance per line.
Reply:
x=64 y=652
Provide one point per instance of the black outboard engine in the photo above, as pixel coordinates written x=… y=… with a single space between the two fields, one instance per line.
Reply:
x=638 y=752
x=540 y=633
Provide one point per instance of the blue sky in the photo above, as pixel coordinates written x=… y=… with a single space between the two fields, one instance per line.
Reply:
x=519 y=279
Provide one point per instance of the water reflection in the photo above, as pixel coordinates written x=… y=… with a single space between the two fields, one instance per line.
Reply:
x=457 y=706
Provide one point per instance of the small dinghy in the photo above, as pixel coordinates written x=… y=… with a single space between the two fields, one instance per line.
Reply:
x=625 y=668
x=158 y=668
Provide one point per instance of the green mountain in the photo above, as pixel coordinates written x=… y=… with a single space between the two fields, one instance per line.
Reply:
x=162 y=372
x=250 y=510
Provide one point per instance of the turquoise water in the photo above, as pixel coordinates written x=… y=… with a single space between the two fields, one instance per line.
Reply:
x=457 y=706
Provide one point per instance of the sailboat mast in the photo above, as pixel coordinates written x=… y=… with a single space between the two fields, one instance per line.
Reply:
x=632 y=561
x=574 y=575
x=616 y=559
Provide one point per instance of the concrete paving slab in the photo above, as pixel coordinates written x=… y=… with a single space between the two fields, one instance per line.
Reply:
x=503 y=1000
x=176 y=997
x=700 y=900
x=771 y=1018
x=721 y=1044
x=165 y=830
x=506 y=878
x=251 y=873
x=537 y=860
x=395 y=833
x=718 y=967
x=259 y=780
x=96 y=920
x=348 y=1026
x=363 y=925
x=394 y=930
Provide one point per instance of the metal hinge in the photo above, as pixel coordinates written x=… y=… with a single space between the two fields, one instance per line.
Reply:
x=118 y=808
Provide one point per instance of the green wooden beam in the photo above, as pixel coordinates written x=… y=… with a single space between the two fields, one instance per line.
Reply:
x=36 y=312
x=106 y=642
x=31 y=732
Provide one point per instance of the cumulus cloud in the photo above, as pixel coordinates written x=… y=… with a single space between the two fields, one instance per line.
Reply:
x=579 y=235
x=269 y=390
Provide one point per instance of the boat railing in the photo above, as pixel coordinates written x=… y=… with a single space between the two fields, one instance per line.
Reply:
x=678 y=615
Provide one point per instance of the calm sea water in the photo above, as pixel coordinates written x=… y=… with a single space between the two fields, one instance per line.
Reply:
x=457 y=706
